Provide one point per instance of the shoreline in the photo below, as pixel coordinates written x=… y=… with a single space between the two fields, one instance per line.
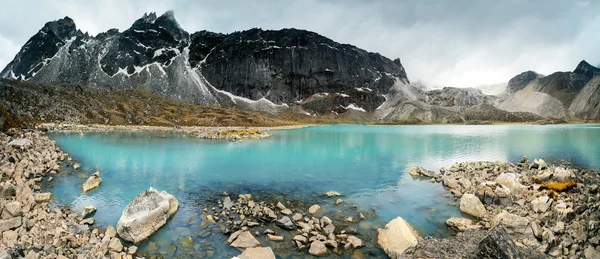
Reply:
x=232 y=133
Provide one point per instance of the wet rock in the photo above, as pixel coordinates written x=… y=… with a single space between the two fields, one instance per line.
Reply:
x=76 y=166
x=300 y=238
x=280 y=206
x=274 y=237
x=397 y=237
x=257 y=253
x=541 y=204
x=460 y=224
x=92 y=183
x=145 y=214
x=420 y=171
x=329 y=229
x=314 y=209
x=471 y=205
x=355 y=242
x=245 y=240
x=338 y=202
x=297 y=216
x=227 y=203
x=286 y=212
x=88 y=210
x=286 y=223
x=332 y=194
x=317 y=248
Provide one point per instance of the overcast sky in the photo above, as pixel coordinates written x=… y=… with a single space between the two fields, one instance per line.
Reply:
x=442 y=43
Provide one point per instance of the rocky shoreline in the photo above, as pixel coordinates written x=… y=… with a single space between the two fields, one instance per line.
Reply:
x=30 y=226
x=531 y=209
x=221 y=133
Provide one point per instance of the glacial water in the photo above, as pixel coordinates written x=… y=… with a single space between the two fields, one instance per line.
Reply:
x=367 y=164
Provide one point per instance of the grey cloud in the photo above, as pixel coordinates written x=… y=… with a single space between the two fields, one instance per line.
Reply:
x=458 y=43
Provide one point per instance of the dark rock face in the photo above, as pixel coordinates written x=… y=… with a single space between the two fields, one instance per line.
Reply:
x=156 y=54
x=497 y=244
x=521 y=80
x=289 y=65
x=40 y=48
x=586 y=69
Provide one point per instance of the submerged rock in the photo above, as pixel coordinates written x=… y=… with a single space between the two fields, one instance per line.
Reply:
x=145 y=214
x=93 y=182
x=332 y=194
x=397 y=237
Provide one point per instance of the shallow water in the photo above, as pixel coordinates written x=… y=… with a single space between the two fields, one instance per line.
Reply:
x=367 y=164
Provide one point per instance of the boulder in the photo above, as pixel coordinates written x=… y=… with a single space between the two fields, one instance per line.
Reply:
x=317 y=248
x=8 y=224
x=88 y=210
x=591 y=253
x=93 y=182
x=397 y=237
x=245 y=240
x=421 y=172
x=21 y=143
x=145 y=214
x=471 y=205
x=286 y=223
x=450 y=182
x=497 y=244
x=7 y=190
x=541 y=204
x=257 y=253
x=460 y=224
x=562 y=175
x=115 y=245
x=538 y=164
x=510 y=180
x=354 y=241
x=12 y=209
x=513 y=223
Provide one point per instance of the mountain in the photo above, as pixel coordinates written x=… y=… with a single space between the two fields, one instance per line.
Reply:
x=265 y=70
x=563 y=95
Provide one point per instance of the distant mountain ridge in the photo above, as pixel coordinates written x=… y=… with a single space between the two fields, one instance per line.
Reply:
x=253 y=69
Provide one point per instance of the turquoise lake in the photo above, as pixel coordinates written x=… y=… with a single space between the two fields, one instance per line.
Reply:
x=367 y=164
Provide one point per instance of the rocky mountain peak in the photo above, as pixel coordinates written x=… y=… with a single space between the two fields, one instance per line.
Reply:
x=520 y=81
x=64 y=28
x=585 y=68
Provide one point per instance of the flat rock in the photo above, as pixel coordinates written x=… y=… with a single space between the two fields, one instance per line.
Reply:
x=257 y=253
x=8 y=224
x=471 y=205
x=513 y=223
x=541 y=204
x=20 y=143
x=271 y=237
x=497 y=244
x=245 y=240
x=145 y=214
x=397 y=237
x=460 y=224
